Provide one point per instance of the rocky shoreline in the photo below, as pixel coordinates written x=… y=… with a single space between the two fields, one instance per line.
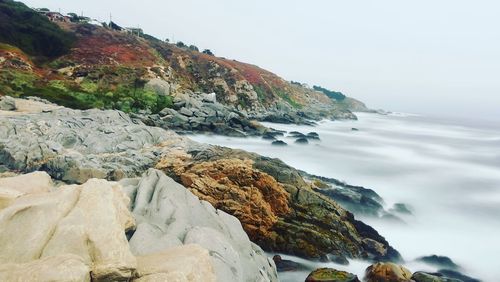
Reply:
x=211 y=205
x=202 y=113
x=285 y=213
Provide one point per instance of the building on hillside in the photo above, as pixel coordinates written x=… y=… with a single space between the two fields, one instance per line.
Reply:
x=57 y=17
x=114 y=26
x=134 y=31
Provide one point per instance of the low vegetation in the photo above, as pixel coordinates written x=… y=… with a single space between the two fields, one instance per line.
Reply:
x=31 y=32
x=332 y=94
x=130 y=97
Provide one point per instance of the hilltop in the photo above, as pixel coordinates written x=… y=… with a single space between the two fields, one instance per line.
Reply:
x=109 y=67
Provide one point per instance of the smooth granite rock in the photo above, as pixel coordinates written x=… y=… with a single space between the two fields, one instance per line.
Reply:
x=168 y=214
x=60 y=268
x=77 y=233
x=88 y=221
x=190 y=263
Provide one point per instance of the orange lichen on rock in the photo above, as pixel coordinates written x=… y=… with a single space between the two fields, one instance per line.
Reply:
x=234 y=186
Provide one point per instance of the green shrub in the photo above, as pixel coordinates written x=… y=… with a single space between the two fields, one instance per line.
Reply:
x=331 y=94
x=31 y=32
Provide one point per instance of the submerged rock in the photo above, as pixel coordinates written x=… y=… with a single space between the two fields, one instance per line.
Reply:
x=284 y=265
x=302 y=140
x=457 y=275
x=312 y=135
x=358 y=200
x=296 y=134
x=387 y=272
x=421 y=276
x=331 y=275
x=401 y=208
x=279 y=143
x=439 y=261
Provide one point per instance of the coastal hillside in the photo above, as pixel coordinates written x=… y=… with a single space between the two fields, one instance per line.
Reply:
x=105 y=66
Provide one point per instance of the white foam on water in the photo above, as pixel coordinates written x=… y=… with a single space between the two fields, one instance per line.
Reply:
x=449 y=174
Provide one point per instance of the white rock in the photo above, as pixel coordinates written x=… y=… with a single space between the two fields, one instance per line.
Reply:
x=183 y=263
x=63 y=268
x=14 y=187
x=87 y=221
x=173 y=214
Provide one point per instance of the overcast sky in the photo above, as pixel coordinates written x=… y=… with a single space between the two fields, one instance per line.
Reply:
x=426 y=56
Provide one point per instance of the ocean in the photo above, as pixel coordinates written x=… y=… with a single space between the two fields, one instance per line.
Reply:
x=447 y=171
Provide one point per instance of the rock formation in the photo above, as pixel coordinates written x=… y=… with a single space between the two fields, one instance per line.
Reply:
x=331 y=275
x=298 y=221
x=387 y=272
x=78 y=233
x=169 y=215
x=278 y=209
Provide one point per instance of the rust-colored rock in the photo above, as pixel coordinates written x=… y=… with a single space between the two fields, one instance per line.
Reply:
x=387 y=272
x=233 y=185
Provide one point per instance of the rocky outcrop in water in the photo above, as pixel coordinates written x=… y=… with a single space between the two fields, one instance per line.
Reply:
x=356 y=199
x=396 y=273
x=439 y=261
x=295 y=219
x=331 y=275
x=387 y=272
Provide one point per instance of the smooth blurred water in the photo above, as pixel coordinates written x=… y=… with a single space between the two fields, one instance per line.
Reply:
x=449 y=174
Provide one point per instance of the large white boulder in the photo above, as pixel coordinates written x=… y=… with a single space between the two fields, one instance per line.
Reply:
x=87 y=221
x=168 y=215
x=189 y=263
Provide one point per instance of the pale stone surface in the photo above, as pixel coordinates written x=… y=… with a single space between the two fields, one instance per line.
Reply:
x=94 y=230
x=13 y=187
x=169 y=214
x=77 y=233
x=62 y=268
x=87 y=221
x=182 y=263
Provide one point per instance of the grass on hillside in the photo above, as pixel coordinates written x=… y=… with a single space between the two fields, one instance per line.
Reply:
x=31 y=32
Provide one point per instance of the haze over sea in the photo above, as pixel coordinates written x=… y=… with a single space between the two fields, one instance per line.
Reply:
x=448 y=173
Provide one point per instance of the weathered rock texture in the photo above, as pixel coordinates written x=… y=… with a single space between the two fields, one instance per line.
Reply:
x=169 y=215
x=74 y=146
x=185 y=263
x=87 y=221
x=294 y=218
x=256 y=198
x=278 y=209
x=77 y=233
x=331 y=275
x=388 y=272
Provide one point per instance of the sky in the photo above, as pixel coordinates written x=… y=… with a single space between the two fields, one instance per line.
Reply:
x=429 y=57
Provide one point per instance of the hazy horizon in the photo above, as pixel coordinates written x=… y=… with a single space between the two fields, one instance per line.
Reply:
x=427 y=57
